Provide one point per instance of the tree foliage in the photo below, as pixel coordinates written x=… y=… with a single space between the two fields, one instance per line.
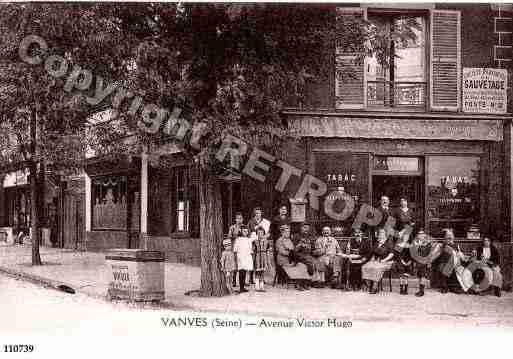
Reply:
x=230 y=67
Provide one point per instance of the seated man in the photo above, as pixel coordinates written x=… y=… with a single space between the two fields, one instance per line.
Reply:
x=331 y=259
x=450 y=265
x=285 y=260
x=304 y=243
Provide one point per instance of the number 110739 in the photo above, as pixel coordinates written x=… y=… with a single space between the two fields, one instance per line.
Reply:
x=18 y=348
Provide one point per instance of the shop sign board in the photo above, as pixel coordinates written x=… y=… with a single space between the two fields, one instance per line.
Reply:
x=484 y=90
x=398 y=128
x=396 y=164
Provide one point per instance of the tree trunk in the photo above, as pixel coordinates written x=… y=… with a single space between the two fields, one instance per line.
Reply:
x=211 y=233
x=34 y=193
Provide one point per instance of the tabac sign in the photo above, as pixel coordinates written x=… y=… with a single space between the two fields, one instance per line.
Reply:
x=484 y=90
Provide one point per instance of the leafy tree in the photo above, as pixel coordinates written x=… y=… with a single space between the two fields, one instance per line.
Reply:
x=40 y=121
x=230 y=68
x=234 y=67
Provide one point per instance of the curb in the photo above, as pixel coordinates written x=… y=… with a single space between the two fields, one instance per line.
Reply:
x=35 y=279
x=68 y=288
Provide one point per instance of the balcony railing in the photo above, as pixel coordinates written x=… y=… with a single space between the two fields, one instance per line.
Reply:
x=402 y=95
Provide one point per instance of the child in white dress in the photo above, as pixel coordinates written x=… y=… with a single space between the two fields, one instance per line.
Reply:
x=243 y=250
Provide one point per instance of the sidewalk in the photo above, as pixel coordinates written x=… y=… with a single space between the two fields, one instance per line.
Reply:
x=87 y=273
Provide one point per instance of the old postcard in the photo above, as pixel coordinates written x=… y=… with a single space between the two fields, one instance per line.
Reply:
x=214 y=171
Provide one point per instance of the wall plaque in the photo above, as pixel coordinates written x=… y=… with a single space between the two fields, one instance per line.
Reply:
x=297 y=209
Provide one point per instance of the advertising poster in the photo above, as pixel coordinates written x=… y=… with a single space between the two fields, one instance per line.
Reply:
x=484 y=90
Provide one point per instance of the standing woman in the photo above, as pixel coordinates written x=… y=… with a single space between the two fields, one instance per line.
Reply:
x=404 y=226
x=404 y=217
x=382 y=255
x=257 y=221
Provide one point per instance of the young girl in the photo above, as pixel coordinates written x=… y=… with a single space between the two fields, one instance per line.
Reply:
x=244 y=256
x=233 y=233
x=261 y=254
x=228 y=263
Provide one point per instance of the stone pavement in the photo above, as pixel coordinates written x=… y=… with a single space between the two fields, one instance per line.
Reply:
x=88 y=273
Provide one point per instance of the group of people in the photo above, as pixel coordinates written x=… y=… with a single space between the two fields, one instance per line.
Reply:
x=319 y=261
x=247 y=252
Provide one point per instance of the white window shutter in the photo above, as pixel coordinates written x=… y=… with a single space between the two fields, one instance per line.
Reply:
x=350 y=91
x=445 y=58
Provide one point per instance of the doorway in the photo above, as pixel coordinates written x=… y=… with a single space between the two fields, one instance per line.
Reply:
x=396 y=187
x=73 y=220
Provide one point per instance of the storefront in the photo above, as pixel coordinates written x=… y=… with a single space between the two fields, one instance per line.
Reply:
x=450 y=171
x=112 y=202
x=15 y=212
x=15 y=207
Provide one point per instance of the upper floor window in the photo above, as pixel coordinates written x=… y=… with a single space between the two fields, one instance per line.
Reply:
x=418 y=62
x=396 y=76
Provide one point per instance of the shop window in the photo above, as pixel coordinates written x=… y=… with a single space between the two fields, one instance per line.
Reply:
x=109 y=202
x=397 y=78
x=453 y=193
x=345 y=174
x=111 y=196
x=17 y=207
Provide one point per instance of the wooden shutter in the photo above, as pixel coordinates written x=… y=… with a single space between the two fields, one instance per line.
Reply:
x=349 y=75
x=445 y=60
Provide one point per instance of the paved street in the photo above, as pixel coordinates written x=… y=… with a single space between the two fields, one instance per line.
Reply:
x=30 y=309
x=88 y=274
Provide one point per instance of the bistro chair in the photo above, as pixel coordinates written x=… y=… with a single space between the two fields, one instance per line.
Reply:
x=281 y=278
x=387 y=274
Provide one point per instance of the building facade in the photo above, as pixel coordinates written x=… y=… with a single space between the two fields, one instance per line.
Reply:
x=432 y=125
x=428 y=126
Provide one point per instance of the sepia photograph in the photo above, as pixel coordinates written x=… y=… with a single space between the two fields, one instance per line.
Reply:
x=260 y=169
